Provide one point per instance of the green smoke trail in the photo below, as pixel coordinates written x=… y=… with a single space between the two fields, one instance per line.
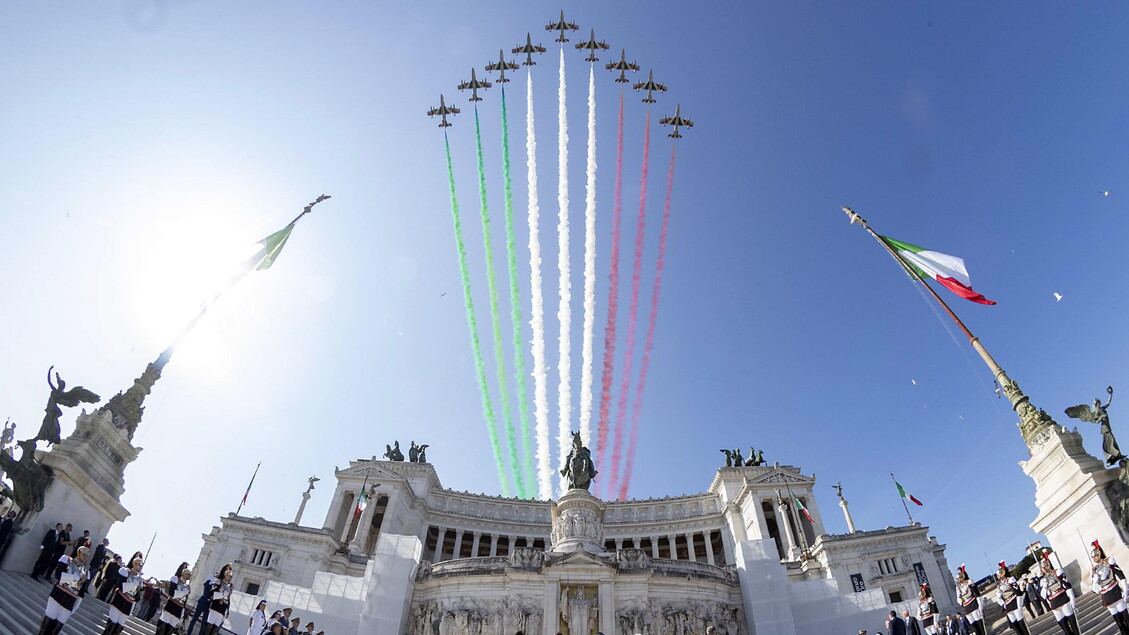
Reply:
x=495 y=322
x=515 y=309
x=476 y=347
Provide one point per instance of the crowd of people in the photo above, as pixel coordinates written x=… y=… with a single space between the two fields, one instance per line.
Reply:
x=1041 y=590
x=75 y=569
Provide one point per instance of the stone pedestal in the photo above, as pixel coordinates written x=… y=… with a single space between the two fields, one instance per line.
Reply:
x=578 y=522
x=388 y=584
x=1079 y=500
x=88 y=481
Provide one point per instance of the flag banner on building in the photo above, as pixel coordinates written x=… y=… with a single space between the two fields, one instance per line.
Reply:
x=800 y=507
x=252 y=482
x=919 y=570
x=362 y=503
x=948 y=270
x=857 y=583
x=904 y=494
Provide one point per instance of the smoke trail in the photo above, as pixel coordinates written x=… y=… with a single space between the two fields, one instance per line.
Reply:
x=649 y=346
x=613 y=300
x=495 y=321
x=564 y=312
x=537 y=310
x=589 y=267
x=526 y=465
x=472 y=323
x=633 y=310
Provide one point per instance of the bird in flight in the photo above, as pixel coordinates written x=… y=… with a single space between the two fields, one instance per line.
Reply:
x=442 y=294
x=913 y=381
x=1058 y=297
x=1104 y=192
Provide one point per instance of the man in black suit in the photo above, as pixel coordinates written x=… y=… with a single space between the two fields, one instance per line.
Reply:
x=47 y=551
x=6 y=532
x=913 y=625
x=60 y=551
x=895 y=625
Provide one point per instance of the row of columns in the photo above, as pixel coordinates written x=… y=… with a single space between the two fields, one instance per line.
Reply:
x=476 y=541
x=691 y=551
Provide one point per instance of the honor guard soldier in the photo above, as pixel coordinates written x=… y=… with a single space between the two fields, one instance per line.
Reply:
x=1059 y=596
x=969 y=597
x=1010 y=597
x=1106 y=577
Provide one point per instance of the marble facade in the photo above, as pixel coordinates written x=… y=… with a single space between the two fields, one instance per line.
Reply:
x=425 y=560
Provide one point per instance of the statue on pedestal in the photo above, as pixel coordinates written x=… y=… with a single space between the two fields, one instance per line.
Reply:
x=417 y=453
x=756 y=458
x=728 y=457
x=393 y=453
x=60 y=396
x=579 y=469
x=1097 y=414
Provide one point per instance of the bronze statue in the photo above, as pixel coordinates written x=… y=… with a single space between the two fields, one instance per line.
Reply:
x=838 y=487
x=393 y=453
x=29 y=478
x=49 y=431
x=738 y=460
x=422 y=458
x=728 y=457
x=579 y=469
x=1097 y=414
x=413 y=453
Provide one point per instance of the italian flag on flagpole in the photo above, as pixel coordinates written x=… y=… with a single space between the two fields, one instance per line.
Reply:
x=948 y=270
x=902 y=491
x=362 y=503
x=800 y=506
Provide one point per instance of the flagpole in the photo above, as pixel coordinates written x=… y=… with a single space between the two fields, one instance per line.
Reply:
x=148 y=550
x=1031 y=418
x=902 y=497
x=247 y=268
x=237 y=509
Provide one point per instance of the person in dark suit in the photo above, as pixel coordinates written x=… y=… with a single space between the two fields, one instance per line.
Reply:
x=895 y=625
x=6 y=527
x=913 y=625
x=47 y=551
x=61 y=548
x=960 y=625
x=1034 y=600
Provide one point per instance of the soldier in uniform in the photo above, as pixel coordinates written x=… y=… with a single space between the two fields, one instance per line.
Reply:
x=927 y=610
x=123 y=596
x=1059 y=596
x=221 y=601
x=173 y=611
x=1010 y=597
x=1106 y=577
x=969 y=597
x=65 y=596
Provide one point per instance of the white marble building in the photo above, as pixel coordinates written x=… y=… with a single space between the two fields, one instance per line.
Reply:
x=422 y=559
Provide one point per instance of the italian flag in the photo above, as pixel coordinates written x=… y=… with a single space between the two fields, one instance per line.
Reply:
x=902 y=491
x=362 y=503
x=945 y=269
x=800 y=506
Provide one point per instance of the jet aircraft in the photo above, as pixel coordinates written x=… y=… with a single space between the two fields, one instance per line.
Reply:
x=592 y=46
x=650 y=86
x=474 y=85
x=528 y=50
x=443 y=110
x=562 y=26
x=676 y=121
x=502 y=66
x=622 y=66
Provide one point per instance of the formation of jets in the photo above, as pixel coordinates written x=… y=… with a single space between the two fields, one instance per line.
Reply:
x=474 y=85
x=502 y=66
x=592 y=46
x=443 y=110
x=622 y=66
x=562 y=28
x=650 y=86
x=676 y=121
x=528 y=50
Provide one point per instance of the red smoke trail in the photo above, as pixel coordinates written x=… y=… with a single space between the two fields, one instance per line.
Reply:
x=650 y=343
x=633 y=312
x=613 y=301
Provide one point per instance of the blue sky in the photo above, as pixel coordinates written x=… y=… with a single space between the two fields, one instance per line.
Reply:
x=147 y=143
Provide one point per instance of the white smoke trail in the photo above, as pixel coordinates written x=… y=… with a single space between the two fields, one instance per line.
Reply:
x=589 y=267
x=537 y=311
x=564 y=313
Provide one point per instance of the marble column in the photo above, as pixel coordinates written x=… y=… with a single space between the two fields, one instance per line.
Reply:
x=550 y=617
x=606 y=598
x=438 y=555
x=782 y=521
x=457 y=551
x=847 y=515
x=709 y=547
x=654 y=546
x=619 y=544
x=334 y=510
x=673 y=547
x=364 y=527
x=817 y=519
x=348 y=524
x=493 y=545
x=474 y=545
x=762 y=520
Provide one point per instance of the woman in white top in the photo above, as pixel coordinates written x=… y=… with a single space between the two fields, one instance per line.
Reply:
x=258 y=619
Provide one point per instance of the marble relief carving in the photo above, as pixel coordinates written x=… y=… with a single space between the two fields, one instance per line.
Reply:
x=476 y=617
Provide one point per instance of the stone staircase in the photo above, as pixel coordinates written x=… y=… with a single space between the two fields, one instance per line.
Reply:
x=1093 y=618
x=21 y=609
